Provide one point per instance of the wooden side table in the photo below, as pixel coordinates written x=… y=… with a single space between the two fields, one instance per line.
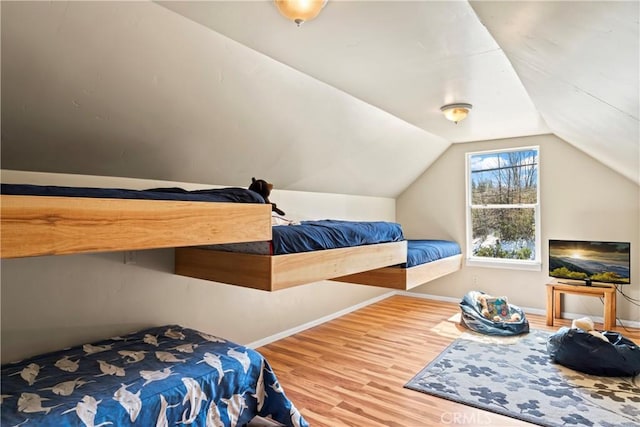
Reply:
x=554 y=301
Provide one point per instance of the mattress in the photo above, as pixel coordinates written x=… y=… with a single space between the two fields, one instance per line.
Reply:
x=424 y=251
x=230 y=194
x=311 y=236
x=155 y=377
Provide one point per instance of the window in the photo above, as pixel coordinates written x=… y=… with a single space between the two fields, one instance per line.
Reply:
x=503 y=209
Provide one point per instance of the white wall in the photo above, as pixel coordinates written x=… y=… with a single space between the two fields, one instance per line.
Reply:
x=54 y=301
x=580 y=199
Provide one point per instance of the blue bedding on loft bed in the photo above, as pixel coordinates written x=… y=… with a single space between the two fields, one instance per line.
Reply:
x=230 y=194
x=332 y=234
x=310 y=236
x=159 y=376
x=424 y=251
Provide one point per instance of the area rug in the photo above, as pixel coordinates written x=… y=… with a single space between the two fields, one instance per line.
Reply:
x=515 y=377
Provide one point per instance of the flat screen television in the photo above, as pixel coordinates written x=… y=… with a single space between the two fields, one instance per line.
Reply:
x=590 y=262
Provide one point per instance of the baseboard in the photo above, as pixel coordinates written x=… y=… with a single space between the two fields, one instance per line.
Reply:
x=457 y=300
x=295 y=330
x=541 y=312
x=599 y=319
x=324 y=319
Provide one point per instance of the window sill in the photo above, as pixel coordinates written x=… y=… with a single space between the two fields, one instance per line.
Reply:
x=504 y=263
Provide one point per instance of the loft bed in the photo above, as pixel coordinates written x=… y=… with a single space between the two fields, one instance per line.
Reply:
x=50 y=220
x=297 y=254
x=426 y=260
x=160 y=376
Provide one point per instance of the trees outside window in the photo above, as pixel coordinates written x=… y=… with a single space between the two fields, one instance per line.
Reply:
x=503 y=206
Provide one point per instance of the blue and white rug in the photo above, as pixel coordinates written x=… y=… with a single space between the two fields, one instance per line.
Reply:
x=514 y=376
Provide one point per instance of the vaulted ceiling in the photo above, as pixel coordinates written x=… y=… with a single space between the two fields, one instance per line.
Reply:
x=217 y=92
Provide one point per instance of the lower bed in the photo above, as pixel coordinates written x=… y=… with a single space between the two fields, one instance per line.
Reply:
x=426 y=260
x=156 y=377
x=297 y=254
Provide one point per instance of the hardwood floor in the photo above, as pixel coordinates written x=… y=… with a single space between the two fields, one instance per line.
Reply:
x=351 y=371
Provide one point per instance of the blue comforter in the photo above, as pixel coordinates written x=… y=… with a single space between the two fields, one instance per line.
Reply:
x=231 y=194
x=424 y=251
x=331 y=234
x=156 y=377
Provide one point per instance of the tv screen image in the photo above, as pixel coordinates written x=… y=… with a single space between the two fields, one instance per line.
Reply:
x=590 y=261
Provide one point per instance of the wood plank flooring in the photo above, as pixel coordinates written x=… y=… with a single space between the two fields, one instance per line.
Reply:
x=351 y=371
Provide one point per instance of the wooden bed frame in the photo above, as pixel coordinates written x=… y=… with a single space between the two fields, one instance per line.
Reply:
x=56 y=225
x=405 y=278
x=274 y=272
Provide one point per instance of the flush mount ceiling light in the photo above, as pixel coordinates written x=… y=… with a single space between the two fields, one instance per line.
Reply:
x=300 y=11
x=456 y=112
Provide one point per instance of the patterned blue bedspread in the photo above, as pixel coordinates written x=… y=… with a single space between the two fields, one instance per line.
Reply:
x=231 y=194
x=331 y=234
x=156 y=377
x=424 y=251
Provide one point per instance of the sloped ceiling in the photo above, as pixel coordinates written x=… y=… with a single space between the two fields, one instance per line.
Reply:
x=580 y=64
x=217 y=92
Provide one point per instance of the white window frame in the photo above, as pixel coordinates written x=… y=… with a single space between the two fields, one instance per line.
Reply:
x=515 y=264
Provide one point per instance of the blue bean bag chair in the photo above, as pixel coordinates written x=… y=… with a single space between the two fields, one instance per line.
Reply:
x=492 y=316
x=584 y=352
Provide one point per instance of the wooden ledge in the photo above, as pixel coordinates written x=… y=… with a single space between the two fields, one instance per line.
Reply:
x=274 y=272
x=52 y=225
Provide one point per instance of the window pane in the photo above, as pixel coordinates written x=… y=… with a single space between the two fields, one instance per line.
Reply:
x=504 y=178
x=504 y=233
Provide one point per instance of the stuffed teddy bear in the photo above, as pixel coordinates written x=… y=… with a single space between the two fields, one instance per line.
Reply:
x=587 y=325
x=264 y=188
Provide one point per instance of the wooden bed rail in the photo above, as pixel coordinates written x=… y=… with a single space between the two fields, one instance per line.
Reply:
x=54 y=225
x=405 y=278
x=274 y=272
